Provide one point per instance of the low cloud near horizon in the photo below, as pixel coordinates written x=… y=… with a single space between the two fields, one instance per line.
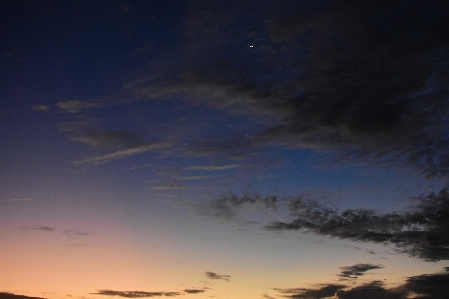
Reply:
x=421 y=232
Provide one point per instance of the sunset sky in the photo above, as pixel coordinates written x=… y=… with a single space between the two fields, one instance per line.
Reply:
x=224 y=149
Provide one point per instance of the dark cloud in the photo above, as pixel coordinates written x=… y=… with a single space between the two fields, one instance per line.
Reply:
x=213 y=275
x=373 y=290
x=357 y=270
x=421 y=232
x=135 y=294
x=366 y=80
x=431 y=286
x=305 y=293
x=193 y=291
x=4 y=295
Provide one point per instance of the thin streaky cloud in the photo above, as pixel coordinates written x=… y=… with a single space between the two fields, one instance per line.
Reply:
x=75 y=234
x=169 y=187
x=135 y=294
x=214 y=167
x=39 y=228
x=17 y=199
x=102 y=159
x=108 y=139
x=75 y=106
x=41 y=107
x=190 y=178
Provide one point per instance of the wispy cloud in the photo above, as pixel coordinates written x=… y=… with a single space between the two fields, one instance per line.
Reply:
x=39 y=228
x=108 y=139
x=101 y=159
x=169 y=187
x=41 y=107
x=191 y=178
x=75 y=106
x=75 y=234
x=135 y=294
x=421 y=232
x=17 y=199
x=214 y=167
x=213 y=275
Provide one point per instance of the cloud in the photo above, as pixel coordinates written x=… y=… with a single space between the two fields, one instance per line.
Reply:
x=101 y=159
x=428 y=286
x=40 y=228
x=213 y=275
x=4 y=295
x=421 y=232
x=135 y=294
x=305 y=293
x=193 y=291
x=169 y=187
x=431 y=286
x=75 y=106
x=41 y=107
x=373 y=290
x=75 y=234
x=357 y=270
x=17 y=199
x=366 y=80
x=108 y=139
x=214 y=167
x=191 y=178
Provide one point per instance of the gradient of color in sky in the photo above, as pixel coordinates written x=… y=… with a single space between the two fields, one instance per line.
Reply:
x=227 y=149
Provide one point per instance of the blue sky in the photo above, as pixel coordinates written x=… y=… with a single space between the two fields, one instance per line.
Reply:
x=224 y=149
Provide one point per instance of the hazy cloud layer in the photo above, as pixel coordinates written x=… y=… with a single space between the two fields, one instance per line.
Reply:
x=421 y=232
x=213 y=275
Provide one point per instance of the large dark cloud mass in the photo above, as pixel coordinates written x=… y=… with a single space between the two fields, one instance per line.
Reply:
x=422 y=232
x=431 y=286
x=366 y=80
x=321 y=292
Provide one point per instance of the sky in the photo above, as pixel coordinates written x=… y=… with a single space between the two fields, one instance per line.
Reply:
x=224 y=149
